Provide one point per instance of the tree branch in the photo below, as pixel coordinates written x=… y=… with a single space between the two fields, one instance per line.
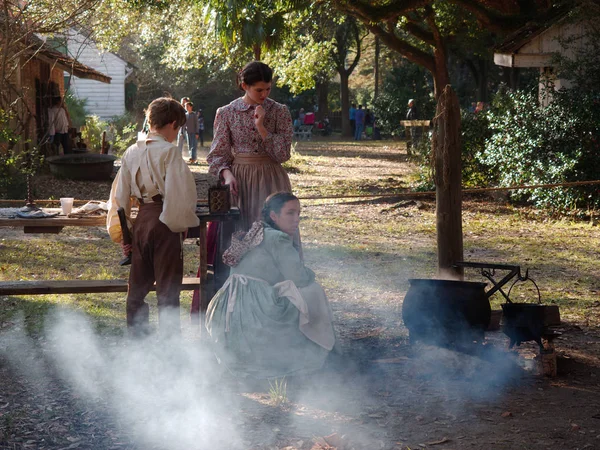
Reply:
x=366 y=11
x=407 y=50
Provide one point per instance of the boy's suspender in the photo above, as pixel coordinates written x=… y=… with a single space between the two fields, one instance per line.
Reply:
x=146 y=177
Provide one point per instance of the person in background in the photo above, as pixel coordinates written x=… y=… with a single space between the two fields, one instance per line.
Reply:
x=352 y=114
x=270 y=319
x=153 y=171
x=301 y=116
x=412 y=114
x=181 y=137
x=326 y=126
x=359 y=117
x=369 y=123
x=201 y=127
x=190 y=130
x=252 y=138
x=59 y=123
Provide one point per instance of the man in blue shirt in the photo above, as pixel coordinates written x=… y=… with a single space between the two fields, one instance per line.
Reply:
x=352 y=118
x=359 y=117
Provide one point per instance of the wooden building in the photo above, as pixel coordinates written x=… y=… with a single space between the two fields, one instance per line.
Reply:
x=103 y=100
x=38 y=76
x=536 y=44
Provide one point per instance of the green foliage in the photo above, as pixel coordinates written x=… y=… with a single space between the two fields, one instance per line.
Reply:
x=91 y=132
x=122 y=132
x=278 y=391
x=255 y=25
x=403 y=83
x=545 y=145
x=13 y=166
x=76 y=108
x=300 y=61
x=475 y=132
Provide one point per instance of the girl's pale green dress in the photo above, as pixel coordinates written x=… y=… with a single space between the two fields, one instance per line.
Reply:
x=271 y=319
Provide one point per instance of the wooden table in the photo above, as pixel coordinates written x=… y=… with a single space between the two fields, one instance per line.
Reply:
x=55 y=225
x=52 y=224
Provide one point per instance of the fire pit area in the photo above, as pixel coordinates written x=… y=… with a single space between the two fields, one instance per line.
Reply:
x=457 y=313
x=82 y=166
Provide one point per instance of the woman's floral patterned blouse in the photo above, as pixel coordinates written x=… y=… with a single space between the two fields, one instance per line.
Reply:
x=235 y=133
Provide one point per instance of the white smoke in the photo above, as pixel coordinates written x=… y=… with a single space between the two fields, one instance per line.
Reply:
x=167 y=392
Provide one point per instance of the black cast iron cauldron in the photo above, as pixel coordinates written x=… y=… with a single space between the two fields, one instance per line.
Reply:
x=445 y=312
x=82 y=166
x=523 y=322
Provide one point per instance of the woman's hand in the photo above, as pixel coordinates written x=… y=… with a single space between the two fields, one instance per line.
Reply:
x=229 y=179
x=126 y=248
x=259 y=117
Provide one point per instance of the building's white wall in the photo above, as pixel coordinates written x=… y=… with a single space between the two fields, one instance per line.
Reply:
x=550 y=40
x=104 y=100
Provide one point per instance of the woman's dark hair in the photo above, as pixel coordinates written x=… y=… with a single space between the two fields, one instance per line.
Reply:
x=255 y=72
x=275 y=202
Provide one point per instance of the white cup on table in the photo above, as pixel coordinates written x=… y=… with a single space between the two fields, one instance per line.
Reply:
x=66 y=204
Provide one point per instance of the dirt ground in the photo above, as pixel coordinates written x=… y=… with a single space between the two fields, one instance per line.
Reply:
x=77 y=388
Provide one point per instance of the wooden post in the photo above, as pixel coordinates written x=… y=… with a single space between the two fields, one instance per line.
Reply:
x=447 y=176
x=104 y=150
x=205 y=293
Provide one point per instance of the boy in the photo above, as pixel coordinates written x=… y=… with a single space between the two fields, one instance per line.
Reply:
x=153 y=171
x=190 y=130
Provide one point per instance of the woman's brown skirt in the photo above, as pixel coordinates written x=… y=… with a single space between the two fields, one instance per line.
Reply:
x=258 y=176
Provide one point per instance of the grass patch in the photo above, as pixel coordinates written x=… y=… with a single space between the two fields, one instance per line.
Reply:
x=363 y=252
x=278 y=392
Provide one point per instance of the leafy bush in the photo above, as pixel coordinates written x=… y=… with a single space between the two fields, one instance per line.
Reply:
x=76 y=108
x=475 y=131
x=91 y=132
x=13 y=182
x=122 y=132
x=14 y=165
x=558 y=143
x=403 y=83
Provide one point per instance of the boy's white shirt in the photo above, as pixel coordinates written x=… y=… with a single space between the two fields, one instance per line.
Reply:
x=172 y=179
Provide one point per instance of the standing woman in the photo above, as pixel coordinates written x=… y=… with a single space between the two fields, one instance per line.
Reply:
x=252 y=137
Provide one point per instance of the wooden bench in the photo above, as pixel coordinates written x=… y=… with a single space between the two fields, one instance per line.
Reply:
x=38 y=287
x=303 y=132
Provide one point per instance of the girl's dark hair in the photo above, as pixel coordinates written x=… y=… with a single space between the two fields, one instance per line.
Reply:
x=275 y=202
x=255 y=72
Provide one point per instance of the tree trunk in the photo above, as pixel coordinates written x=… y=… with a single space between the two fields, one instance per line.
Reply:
x=345 y=94
x=376 y=68
x=447 y=176
x=257 y=50
x=322 y=89
x=482 y=82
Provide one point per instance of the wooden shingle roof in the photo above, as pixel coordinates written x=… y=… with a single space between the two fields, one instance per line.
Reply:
x=38 y=49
